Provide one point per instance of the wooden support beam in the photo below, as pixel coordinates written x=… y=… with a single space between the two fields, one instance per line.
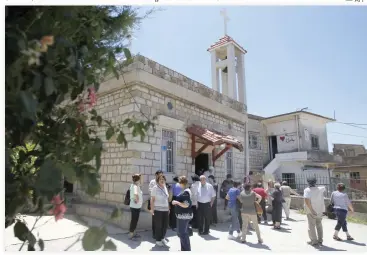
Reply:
x=213 y=155
x=201 y=150
x=222 y=152
x=193 y=150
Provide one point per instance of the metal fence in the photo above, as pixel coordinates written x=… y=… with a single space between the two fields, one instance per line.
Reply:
x=356 y=189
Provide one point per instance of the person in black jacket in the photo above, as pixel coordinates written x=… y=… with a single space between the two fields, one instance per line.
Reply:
x=184 y=214
x=226 y=185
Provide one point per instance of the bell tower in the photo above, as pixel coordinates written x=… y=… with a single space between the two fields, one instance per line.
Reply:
x=228 y=66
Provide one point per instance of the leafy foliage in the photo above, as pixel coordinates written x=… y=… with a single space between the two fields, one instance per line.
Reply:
x=56 y=59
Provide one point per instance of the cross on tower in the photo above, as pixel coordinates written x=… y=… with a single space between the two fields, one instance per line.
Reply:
x=223 y=12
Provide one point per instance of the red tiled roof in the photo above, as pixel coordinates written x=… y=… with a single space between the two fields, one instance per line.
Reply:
x=214 y=138
x=224 y=40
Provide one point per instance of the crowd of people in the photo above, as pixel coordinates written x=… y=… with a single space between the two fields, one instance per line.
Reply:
x=183 y=208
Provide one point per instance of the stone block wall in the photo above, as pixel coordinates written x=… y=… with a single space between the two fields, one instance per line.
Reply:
x=119 y=163
x=260 y=156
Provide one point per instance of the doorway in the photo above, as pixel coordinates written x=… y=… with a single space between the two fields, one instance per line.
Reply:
x=273 y=145
x=201 y=163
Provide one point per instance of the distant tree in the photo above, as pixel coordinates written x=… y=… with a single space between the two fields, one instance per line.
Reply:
x=58 y=54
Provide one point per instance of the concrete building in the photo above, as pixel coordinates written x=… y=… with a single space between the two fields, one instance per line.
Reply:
x=352 y=167
x=298 y=148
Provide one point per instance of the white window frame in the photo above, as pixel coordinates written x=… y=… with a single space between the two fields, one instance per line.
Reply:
x=251 y=135
x=164 y=166
x=318 y=142
x=229 y=171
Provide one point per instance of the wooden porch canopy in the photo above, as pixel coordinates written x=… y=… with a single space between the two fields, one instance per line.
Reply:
x=210 y=138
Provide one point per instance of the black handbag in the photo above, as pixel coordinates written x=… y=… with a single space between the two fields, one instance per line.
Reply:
x=330 y=207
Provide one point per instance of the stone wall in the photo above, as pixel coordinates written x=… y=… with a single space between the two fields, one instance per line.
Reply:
x=150 y=66
x=259 y=156
x=139 y=101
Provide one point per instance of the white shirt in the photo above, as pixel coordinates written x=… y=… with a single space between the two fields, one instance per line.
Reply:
x=194 y=193
x=161 y=198
x=152 y=183
x=139 y=204
x=316 y=195
x=205 y=193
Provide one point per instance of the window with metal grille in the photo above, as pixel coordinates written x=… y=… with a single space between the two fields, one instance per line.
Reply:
x=290 y=178
x=314 y=142
x=168 y=150
x=229 y=162
x=355 y=177
x=254 y=141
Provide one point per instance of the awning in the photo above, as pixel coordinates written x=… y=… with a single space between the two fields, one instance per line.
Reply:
x=211 y=138
x=214 y=138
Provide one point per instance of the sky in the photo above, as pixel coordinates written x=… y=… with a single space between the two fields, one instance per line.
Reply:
x=298 y=57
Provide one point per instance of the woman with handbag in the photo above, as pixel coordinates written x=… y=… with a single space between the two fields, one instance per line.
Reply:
x=182 y=204
x=248 y=211
x=341 y=204
x=159 y=208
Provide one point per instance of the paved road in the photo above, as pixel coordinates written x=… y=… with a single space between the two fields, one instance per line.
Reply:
x=63 y=235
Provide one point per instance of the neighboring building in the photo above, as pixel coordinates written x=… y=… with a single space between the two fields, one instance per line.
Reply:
x=352 y=169
x=349 y=150
x=298 y=148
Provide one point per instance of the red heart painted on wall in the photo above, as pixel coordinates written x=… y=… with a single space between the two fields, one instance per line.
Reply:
x=282 y=138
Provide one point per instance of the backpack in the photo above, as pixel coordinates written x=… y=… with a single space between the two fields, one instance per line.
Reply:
x=127 y=198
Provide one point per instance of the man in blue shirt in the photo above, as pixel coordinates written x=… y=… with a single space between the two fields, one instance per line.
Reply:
x=232 y=196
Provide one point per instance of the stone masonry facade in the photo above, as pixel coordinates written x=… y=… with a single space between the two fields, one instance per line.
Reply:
x=259 y=156
x=140 y=101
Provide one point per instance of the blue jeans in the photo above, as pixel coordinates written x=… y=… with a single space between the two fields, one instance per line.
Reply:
x=235 y=223
x=341 y=214
x=183 y=234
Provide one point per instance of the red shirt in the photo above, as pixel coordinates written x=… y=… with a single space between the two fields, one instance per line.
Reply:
x=261 y=192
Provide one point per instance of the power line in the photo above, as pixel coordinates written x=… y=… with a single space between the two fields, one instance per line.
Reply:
x=348 y=134
x=352 y=125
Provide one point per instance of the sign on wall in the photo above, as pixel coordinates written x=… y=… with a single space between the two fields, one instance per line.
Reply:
x=307 y=134
x=287 y=142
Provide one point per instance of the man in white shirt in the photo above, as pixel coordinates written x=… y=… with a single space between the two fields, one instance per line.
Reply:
x=205 y=197
x=314 y=207
x=209 y=172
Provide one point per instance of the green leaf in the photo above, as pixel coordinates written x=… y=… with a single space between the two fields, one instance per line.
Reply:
x=121 y=138
x=49 y=178
x=71 y=60
x=116 y=213
x=109 y=133
x=109 y=246
x=93 y=112
x=31 y=239
x=99 y=120
x=84 y=50
x=88 y=152
x=126 y=121
x=41 y=244
x=49 y=86
x=31 y=248
x=69 y=172
x=21 y=231
x=94 y=238
x=127 y=53
x=29 y=103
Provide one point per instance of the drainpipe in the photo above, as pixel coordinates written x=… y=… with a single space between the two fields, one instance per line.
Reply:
x=297 y=123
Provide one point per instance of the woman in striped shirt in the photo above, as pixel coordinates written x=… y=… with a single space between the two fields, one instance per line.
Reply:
x=341 y=204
